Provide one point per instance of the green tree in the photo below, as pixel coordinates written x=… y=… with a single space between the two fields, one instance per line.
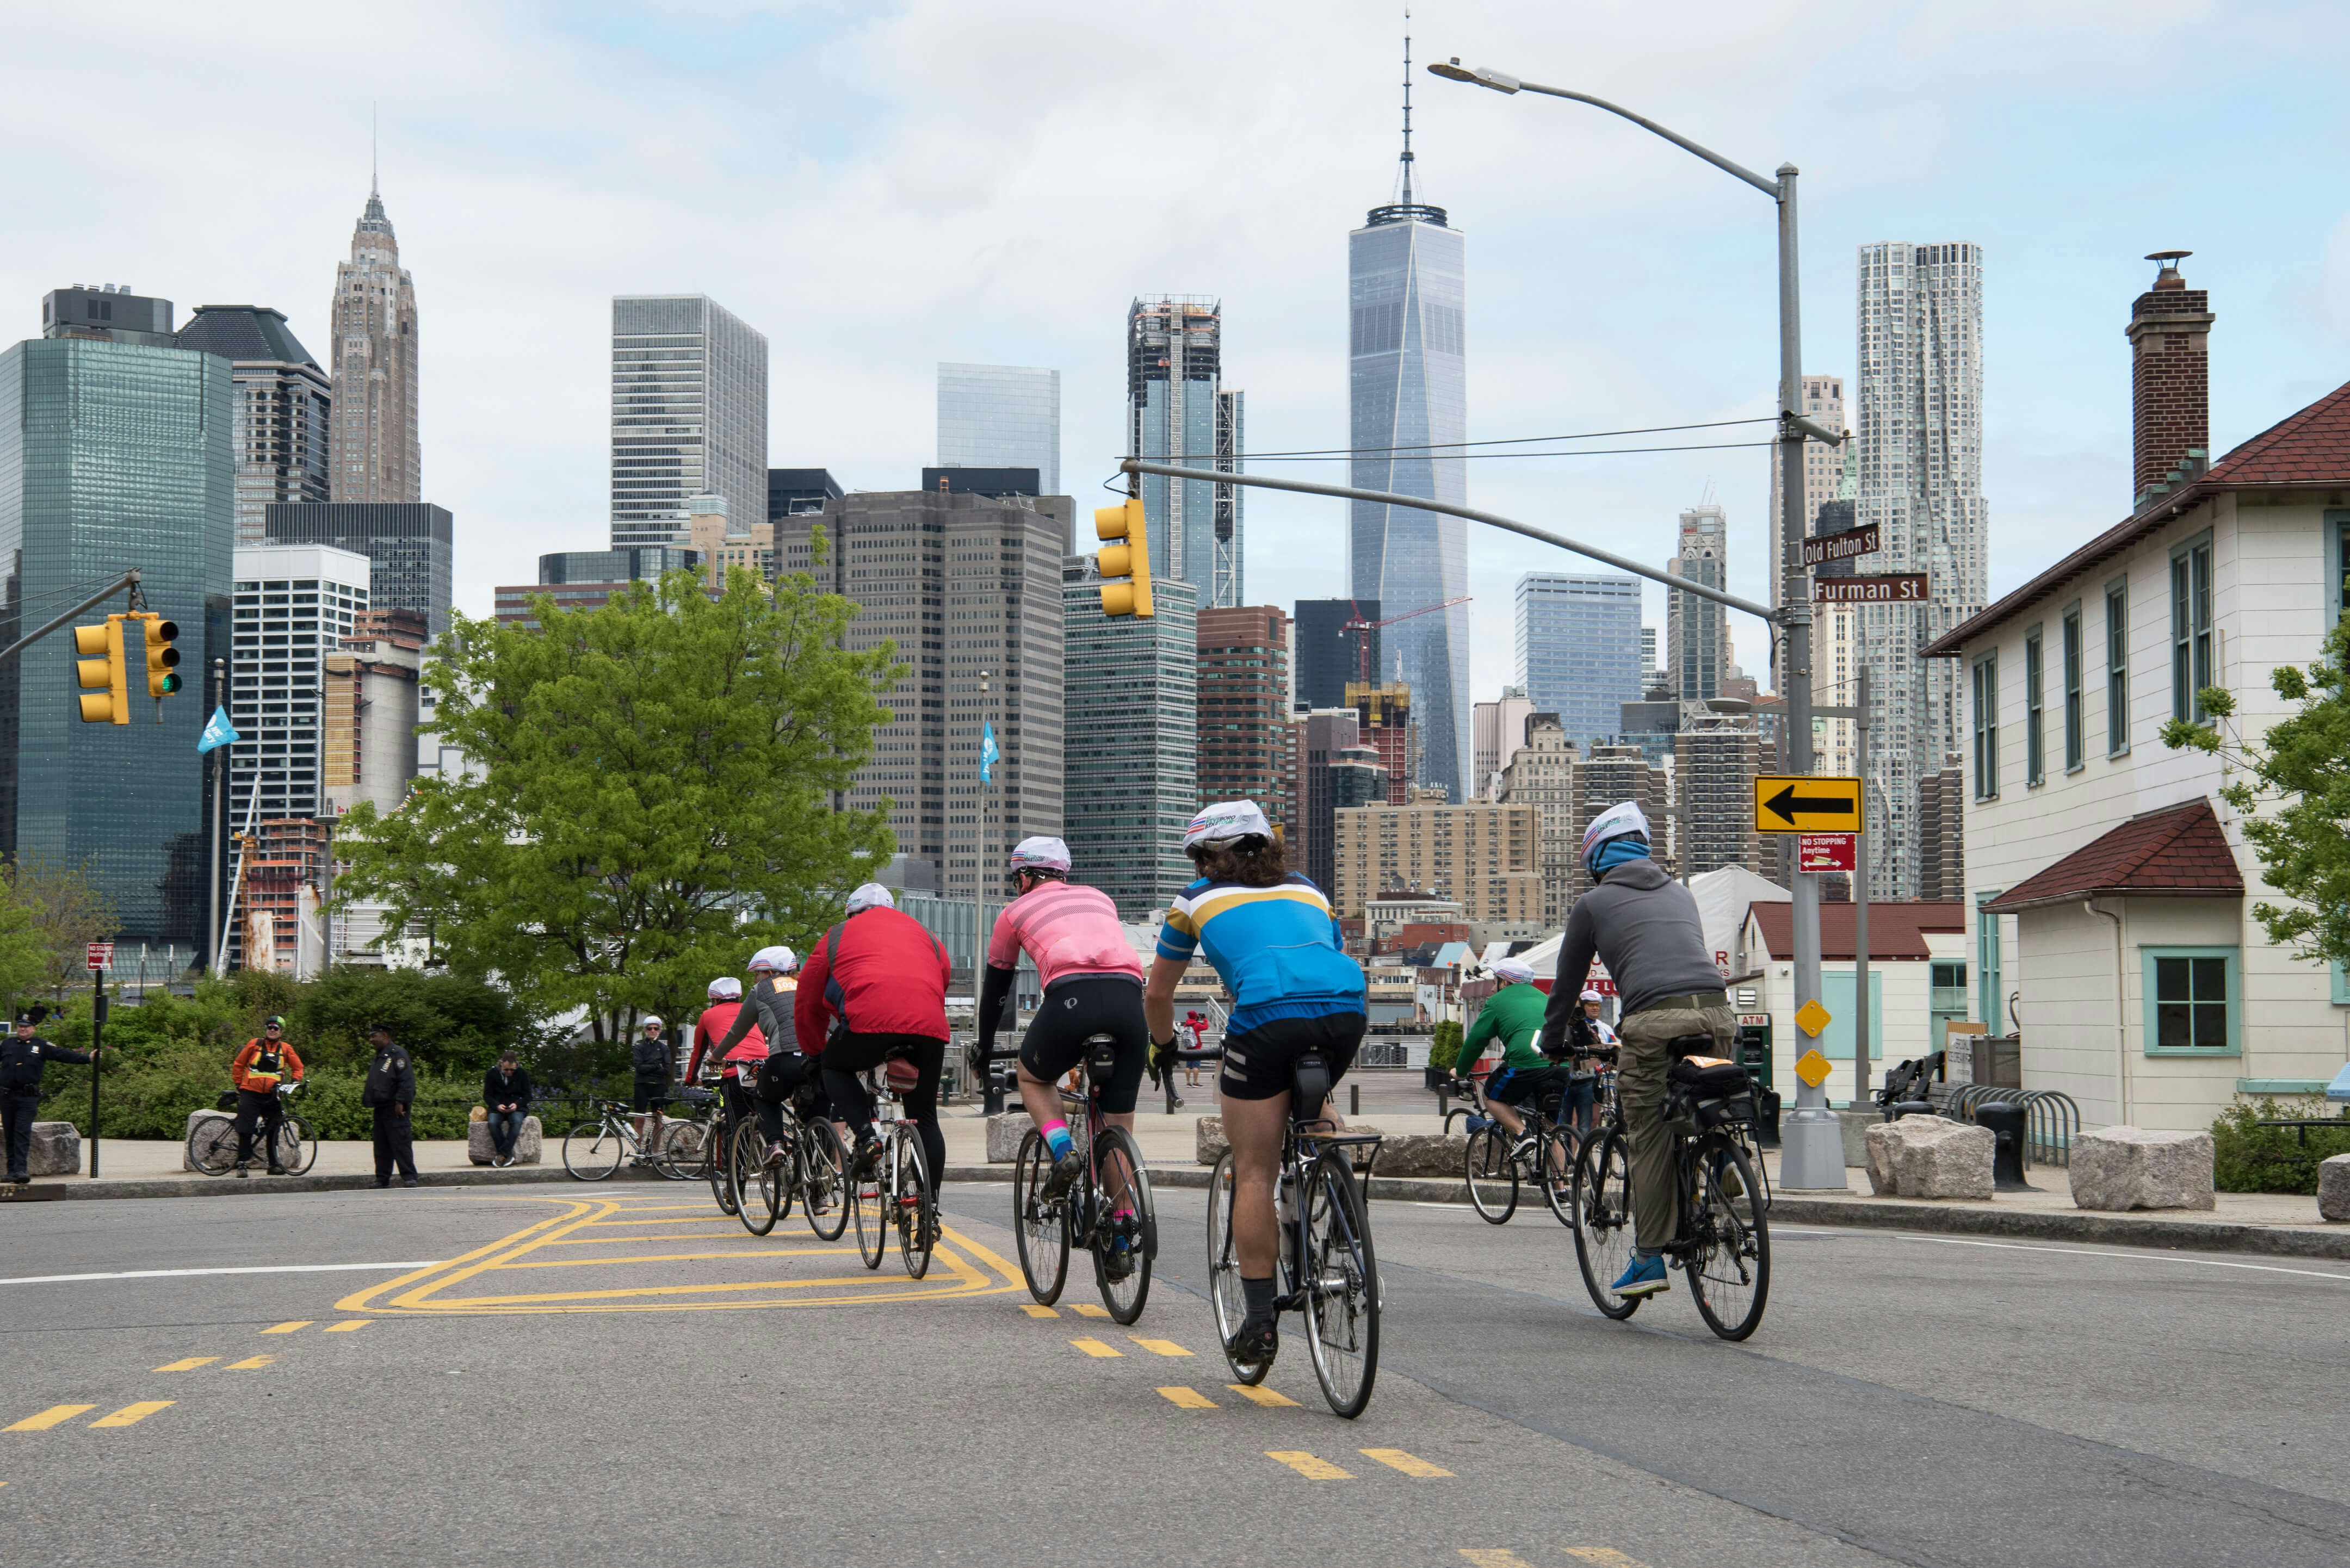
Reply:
x=67 y=913
x=2292 y=787
x=24 y=948
x=649 y=790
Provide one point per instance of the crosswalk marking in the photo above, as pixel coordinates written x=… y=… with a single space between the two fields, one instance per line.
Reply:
x=250 y=1363
x=1189 y=1398
x=299 y=1323
x=1606 y=1556
x=1396 y=1459
x=349 y=1326
x=1094 y=1347
x=1265 y=1396
x=1037 y=1309
x=1158 y=1346
x=1307 y=1465
x=132 y=1415
x=1089 y=1309
x=188 y=1365
x=1495 y=1557
x=54 y=1416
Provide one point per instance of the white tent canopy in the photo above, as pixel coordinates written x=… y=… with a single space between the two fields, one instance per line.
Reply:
x=1722 y=899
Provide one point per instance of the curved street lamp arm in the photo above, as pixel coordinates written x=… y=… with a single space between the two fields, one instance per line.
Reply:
x=1770 y=188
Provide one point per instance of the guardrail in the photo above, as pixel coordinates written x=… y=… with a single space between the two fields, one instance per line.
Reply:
x=2052 y=1120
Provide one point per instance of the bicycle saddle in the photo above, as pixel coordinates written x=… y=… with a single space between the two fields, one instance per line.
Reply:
x=1309 y=1085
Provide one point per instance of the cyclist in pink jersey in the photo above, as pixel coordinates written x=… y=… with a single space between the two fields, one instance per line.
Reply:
x=1092 y=978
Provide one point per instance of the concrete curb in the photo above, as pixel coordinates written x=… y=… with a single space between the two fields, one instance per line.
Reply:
x=78 y=1188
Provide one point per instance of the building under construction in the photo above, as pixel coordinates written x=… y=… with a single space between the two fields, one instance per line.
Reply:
x=1178 y=411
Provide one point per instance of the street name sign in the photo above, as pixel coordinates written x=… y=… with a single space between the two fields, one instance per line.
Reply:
x=1844 y=547
x=1825 y=852
x=100 y=956
x=1902 y=588
x=1786 y=803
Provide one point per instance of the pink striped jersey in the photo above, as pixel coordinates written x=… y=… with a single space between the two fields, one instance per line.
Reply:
x=1067 y=930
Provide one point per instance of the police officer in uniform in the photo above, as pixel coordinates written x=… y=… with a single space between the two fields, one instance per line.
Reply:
x=391 y=1090
x=22 y=1057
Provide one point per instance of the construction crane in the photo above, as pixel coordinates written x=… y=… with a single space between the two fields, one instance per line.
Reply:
x=1363 y=644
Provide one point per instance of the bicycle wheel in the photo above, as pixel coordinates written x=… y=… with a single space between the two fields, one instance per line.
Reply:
x=1038 y=1227
x=756 y=1186
x=1224 y=1271
x=592 y=1150
x=718 y=1167
x=911 y=1202
x=1729 y=1263
x=211 y=1147
x=1493 y=1175
x=1341 y=1287
x=1557 y=1174
x=826 y=1195
x=1126 y=1242
x=787 y=1174
x=685 y=1150
x=297 y=1146
x=1603 y=1221
x=868 y=1216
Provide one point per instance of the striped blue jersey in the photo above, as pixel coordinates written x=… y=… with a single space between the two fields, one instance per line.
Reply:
x=1277 y=948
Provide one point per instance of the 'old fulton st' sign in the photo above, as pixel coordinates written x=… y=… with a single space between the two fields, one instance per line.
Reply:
x=1844 y=547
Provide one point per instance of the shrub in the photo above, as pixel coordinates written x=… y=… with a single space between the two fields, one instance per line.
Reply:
x=2248 y=1157
x=1444 y=1046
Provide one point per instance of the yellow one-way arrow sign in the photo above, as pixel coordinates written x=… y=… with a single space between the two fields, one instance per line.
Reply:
x=1786 y=803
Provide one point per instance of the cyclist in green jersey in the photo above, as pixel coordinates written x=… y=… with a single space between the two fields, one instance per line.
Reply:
x=1512 y=1016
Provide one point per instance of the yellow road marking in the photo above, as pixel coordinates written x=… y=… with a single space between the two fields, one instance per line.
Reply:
x=1307 y=1465
x=1495 y=1557
x=1158 y=1346
x=1090 y=1308
x=1189 y=1398
x=1265 y=1396
x=250 y=1363
x=54 y=1416
x=1094 y=1347
x=349 y=1325
x=1606 y=1556
x=1037 y=1309
x=1396 y=1459
x=188 y=1365
x=688 y=1257
x=299 y=1323
x=132 y=1415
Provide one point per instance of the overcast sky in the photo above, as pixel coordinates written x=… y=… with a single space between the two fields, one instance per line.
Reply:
x=881 y=187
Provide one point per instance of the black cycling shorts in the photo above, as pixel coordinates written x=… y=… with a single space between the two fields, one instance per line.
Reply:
x=1516 y=1085
x=1075 y=1009
x=1257 y=1063
x=652 y=1091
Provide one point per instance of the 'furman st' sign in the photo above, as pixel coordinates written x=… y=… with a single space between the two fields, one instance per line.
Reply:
x=1906 y=589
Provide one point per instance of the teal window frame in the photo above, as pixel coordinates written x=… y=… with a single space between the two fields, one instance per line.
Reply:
x=1987 y=965
x=1839 y=994
x=2036 y=709
x=2340 y=976
x=2117 y=717
x=2191 y=621
x=2148 y=957
x=2076 y=697
x=2337 y=563
x=1986 y=726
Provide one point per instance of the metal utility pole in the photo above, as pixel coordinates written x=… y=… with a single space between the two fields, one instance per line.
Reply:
x=220 y=811
x=1860 y=1011
x=128 y=580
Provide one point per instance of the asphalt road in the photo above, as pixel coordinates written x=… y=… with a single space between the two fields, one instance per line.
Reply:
x=610 y=1373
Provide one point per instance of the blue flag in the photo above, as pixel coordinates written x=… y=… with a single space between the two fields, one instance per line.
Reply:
x=987 y=753
x=218 y=732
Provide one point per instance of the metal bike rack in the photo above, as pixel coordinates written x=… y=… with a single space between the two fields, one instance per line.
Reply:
x=2052 y=1120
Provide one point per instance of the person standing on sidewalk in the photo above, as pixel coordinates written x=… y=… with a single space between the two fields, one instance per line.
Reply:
x=22 y=1057
x=265 y=1063
x=391 y=1090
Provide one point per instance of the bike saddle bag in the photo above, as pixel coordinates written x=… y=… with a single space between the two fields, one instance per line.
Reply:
x=1309 y=1085
x=804 y=1101
x=901 y=1073
x=1101 y=1059
x=1708 y=1078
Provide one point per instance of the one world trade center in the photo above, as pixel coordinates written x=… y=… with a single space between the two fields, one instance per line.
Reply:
x=1405 y=280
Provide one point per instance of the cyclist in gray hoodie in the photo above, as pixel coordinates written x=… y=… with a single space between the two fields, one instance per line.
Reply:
x=1644 y=927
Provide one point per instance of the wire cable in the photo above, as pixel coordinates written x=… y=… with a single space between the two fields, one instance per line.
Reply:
x=1374 y=454
x=1452 y=446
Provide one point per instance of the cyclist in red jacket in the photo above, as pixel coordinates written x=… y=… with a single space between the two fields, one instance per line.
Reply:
x=875 y=987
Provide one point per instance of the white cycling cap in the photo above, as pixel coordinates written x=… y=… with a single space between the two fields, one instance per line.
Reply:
x=651 y=1021
x=1040 y=854
x=1592 y=996
x=1615 y=822
x=872 y=896
x=785 y=960
x=1513 y=970
x=1226 y=820
x=725 y=987
x=762 y=960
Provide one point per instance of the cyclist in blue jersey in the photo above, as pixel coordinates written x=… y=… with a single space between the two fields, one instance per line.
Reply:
x=1274 y=940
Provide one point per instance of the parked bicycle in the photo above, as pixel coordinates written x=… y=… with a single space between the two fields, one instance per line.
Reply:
x=1326 y=1267
x=899 y=1194
x=211 y=1147
x=1108 y=1212
x=1724 y=1245
x=594 y=1149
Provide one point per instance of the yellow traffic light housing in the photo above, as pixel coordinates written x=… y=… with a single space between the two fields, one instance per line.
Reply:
x=163 y=658
x=103 y=673
x=1125 y=559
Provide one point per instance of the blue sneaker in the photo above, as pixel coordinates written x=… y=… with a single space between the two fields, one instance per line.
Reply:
x=1645 y=1277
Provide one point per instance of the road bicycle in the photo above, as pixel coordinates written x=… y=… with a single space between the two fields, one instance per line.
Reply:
x=1724 y=1245
x=594 y=1149
x=897 y=1194
x=211 y=1147
x=1326 y=1267
x=1108 y=1211
x=1498 y=1161
x=807 y=1172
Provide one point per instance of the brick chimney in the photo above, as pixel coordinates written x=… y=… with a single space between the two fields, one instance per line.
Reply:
x=2170 y=387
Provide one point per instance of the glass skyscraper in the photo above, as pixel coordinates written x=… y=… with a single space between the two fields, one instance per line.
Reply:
x=1130 y=755
x=689 y=414
x=1178 y=411
x=1000 y=416
x=113 y=455
x=1407 y=400
x=1579 y=648
x=408 y=543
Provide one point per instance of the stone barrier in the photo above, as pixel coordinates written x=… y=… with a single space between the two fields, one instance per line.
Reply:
x=1208 y=1144
x=195 y=1118
x=2333 y=1188
x=529 y=1143
x=56 y=1149
x=1930 y=1157
x=1424 y=1153
x=2119 y=1168
x=1004 y=1131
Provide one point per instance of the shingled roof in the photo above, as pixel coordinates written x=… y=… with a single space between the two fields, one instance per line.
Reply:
x=2179 y=852
x=2306 y=451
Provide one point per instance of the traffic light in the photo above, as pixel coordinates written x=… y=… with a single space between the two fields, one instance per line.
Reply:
x=103 y=673
x=1128 y=558
x=163 y=658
